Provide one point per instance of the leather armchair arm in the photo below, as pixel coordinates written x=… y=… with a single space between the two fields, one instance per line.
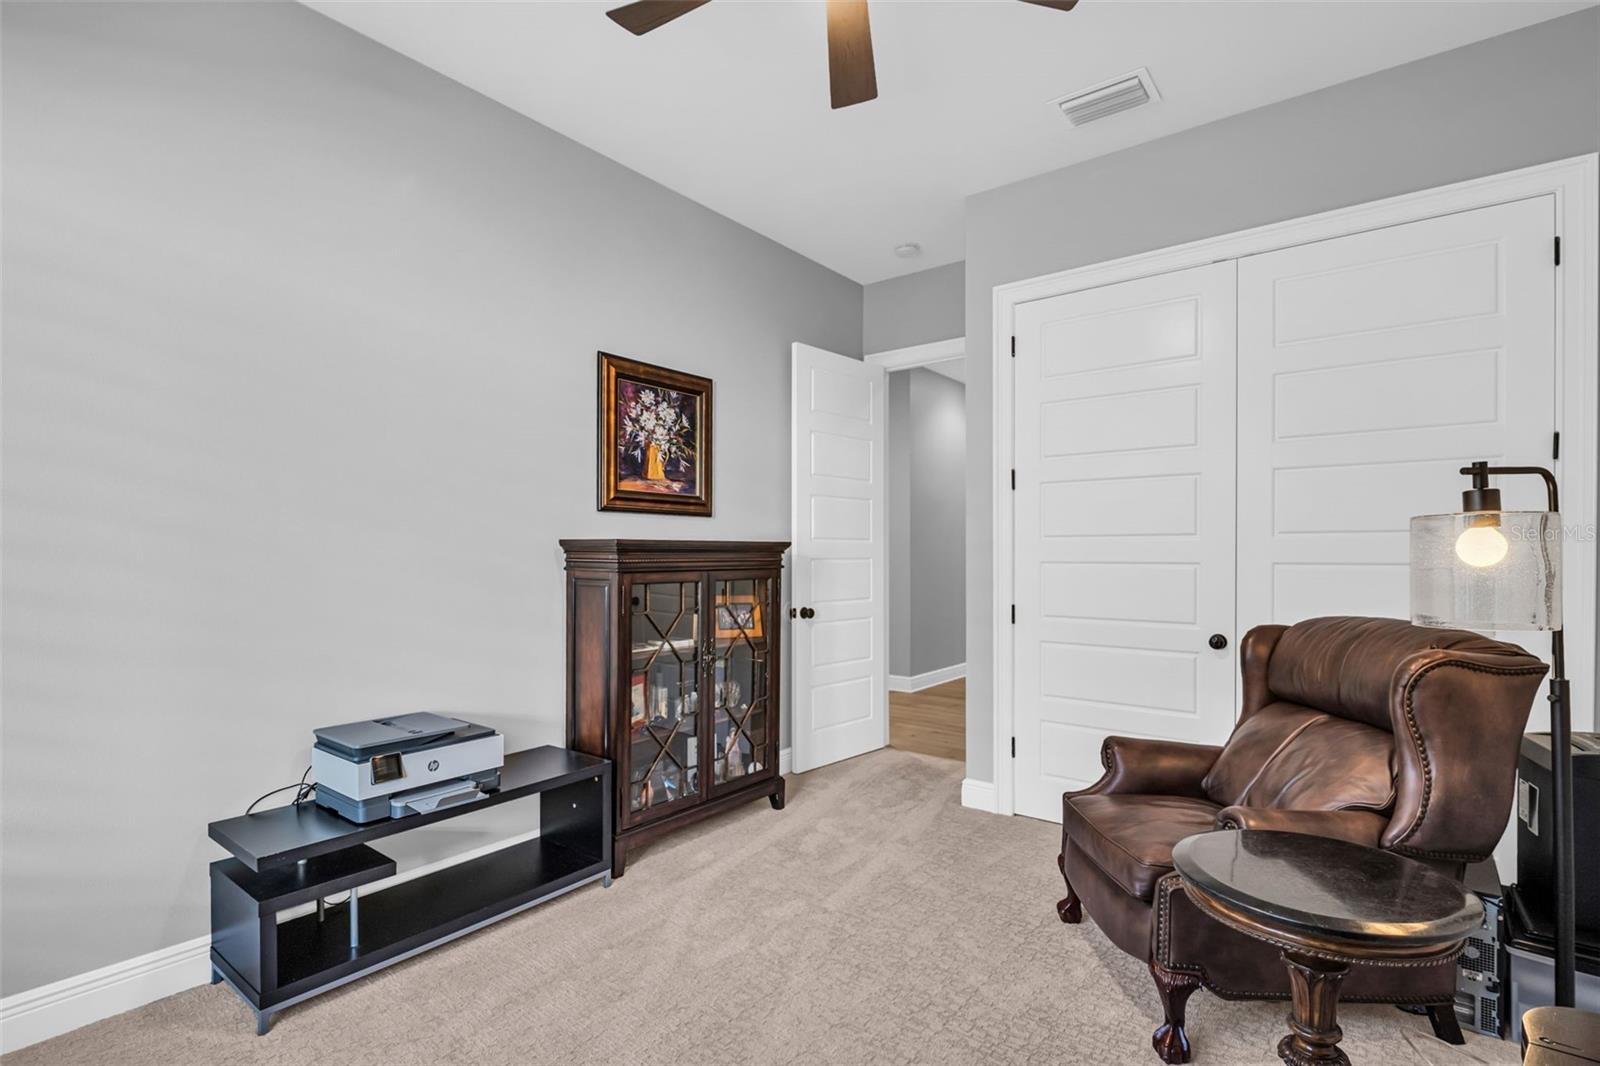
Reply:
x=1458 y=718
x=1140 y=766
x=1358 y=827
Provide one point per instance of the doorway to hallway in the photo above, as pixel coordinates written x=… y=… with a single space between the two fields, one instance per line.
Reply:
x=926 y=452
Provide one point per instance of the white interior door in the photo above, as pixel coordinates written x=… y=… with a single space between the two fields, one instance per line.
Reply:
x=1371 y=369
x=1124 y=523
x=840 y=661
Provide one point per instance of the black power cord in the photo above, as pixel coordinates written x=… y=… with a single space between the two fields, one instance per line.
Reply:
x=304 y=792
x=305 y=789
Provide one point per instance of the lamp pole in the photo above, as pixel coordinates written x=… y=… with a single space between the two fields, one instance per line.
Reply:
x=1560 y=750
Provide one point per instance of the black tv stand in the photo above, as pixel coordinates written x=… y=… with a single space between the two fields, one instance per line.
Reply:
x=291 y=856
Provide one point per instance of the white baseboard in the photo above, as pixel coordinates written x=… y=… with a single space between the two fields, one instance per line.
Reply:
x=785 y=761
x=918 y=682
x=40 y=1013
x=979 y=795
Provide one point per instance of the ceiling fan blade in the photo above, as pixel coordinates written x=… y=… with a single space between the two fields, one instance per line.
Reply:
x=1059 y=5
x=852 y=77
x=642 y=17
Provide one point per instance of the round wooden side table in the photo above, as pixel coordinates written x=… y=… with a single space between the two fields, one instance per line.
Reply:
x=1326 y=903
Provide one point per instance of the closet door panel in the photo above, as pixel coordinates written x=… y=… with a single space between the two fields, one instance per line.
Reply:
x=1124 y=523
x=1371 y=368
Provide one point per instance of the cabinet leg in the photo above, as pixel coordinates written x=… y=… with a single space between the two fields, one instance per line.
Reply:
x=216 y=976
x=605 y=882
x=776 y=799
x=619 y=859
x=263 y=1023
x=1314 y=1031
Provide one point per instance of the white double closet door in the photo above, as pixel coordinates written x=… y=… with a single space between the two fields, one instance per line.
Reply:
x=1245 y=442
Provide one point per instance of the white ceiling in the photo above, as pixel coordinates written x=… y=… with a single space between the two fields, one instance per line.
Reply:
x=729 y=104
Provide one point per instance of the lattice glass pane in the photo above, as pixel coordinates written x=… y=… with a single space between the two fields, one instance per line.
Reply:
x=742 y=716
x=664 y=747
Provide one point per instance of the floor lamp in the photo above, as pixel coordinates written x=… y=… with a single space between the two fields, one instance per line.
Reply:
x=1484 y=568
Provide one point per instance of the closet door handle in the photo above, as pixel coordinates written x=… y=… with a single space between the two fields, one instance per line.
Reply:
x=1218 y=641
x=806 y=612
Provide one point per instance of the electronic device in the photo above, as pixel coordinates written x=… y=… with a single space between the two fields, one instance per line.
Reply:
x=1536 y=870
x=1530 y=975
x=381 y=768
x=1481 y=966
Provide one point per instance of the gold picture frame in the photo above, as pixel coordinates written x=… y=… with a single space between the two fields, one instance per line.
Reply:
x=655 y=439
x=733 y=611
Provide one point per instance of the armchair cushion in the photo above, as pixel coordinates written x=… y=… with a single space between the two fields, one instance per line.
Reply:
x=1130 y=838
x=1290 y=756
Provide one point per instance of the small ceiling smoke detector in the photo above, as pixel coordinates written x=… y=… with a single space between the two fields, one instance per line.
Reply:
x=908 y=250
x=1108 y=98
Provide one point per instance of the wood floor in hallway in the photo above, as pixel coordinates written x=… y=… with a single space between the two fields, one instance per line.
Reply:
x=932 y=722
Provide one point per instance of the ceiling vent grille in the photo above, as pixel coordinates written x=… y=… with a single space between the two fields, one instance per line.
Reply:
x=1108 y=98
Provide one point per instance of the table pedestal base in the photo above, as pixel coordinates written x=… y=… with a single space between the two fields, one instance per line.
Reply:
x=1314 y=1034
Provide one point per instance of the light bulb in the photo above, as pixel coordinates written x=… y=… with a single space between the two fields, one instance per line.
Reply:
x=1481 y=546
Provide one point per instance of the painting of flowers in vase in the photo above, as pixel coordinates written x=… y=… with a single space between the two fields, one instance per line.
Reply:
x=655 y=438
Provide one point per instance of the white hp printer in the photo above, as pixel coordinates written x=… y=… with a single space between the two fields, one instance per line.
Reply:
x=409 y=764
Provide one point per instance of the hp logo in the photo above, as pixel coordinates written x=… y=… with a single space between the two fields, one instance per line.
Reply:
x=433 y=764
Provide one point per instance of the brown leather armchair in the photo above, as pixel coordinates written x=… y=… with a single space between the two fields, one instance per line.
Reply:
x=1366 y=729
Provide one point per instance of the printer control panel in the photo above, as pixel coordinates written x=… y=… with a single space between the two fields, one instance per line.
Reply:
x=387 y=768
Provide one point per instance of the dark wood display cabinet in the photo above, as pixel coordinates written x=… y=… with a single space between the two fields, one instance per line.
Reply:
x=672 y=674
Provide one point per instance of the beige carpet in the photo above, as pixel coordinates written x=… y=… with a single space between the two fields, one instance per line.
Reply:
x=873 y=921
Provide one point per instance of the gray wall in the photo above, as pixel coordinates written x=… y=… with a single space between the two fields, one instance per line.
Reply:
x=929 y=305
x=1524 y=98
x=899 y=463
x=299 y=395
x=938 y=521
x=927 y=522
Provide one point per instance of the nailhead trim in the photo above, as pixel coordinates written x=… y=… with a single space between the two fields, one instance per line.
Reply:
x=1422 y=750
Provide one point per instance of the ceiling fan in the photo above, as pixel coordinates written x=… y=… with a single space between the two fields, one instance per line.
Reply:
x=852 y=77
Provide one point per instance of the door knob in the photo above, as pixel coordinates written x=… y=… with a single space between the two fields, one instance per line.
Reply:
x=1218 y=641
x=806 y=612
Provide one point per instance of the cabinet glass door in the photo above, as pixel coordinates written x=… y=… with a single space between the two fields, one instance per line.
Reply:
x=663 y=696
x=744 y=634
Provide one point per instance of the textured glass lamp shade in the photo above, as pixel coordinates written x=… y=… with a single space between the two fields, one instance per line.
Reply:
x=1487 y=570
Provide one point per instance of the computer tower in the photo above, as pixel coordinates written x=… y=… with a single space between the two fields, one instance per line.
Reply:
x=1481 y=966
x=1536 y=871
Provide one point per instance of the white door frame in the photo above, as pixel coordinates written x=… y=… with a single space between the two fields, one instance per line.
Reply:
x=1575 y=184
x=920 y=354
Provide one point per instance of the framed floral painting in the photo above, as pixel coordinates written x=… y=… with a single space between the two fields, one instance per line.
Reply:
x=655 y=439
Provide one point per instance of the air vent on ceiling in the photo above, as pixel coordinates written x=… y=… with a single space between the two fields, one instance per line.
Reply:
x=1108 y=98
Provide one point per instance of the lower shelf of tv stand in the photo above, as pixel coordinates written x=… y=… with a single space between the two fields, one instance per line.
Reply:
x=410 y=918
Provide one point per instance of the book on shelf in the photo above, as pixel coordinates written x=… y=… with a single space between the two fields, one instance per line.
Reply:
x=650 y=646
